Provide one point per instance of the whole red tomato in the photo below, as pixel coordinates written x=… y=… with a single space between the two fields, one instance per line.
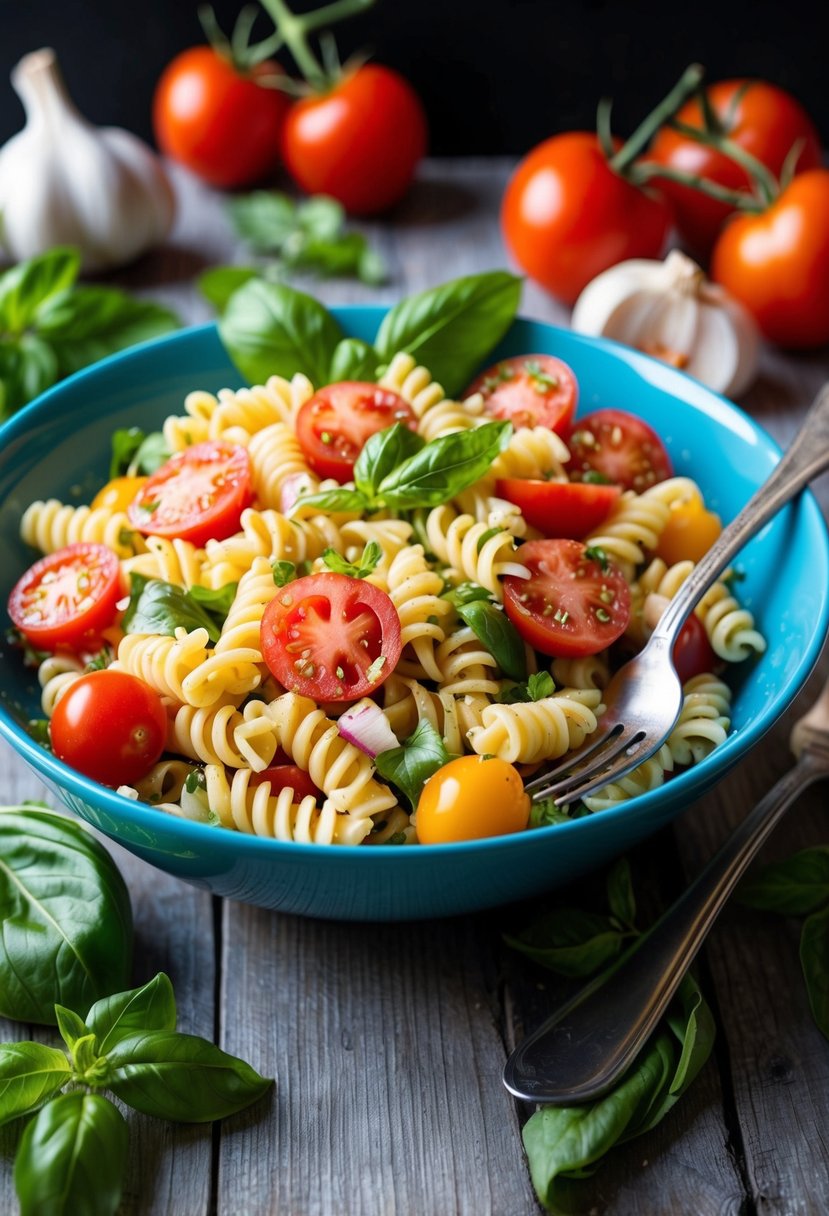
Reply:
x=567 y=215
x=221 y=123
x=777 y=262
x=761 y=118
x=359 y=142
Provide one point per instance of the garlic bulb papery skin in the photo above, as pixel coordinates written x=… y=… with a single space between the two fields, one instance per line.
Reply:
x=64 y=181
x=669 y=309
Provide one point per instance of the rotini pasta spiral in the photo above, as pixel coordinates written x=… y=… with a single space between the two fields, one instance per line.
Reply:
x=630 y=531
x=164 y=782
x=224 y=735
x=648 y=776
x=465 y=665
x=538 y=730
x=704 y=719
x=407 y=702
x=729 y=626
x=55 y=674
x=276 y=460
x=244 y=412
x=415 y=590
x=437 y=415
x=173 y=561
x=254 y=808
x=50 y=525
x=165 y=663
x=471 y=550
x=271 y=534
x=535 y=452
x=592 y=671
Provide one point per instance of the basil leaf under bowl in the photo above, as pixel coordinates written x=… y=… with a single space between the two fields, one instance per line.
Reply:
x=66 y=917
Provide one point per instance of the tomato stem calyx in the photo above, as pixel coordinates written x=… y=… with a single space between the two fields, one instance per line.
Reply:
x=293 y=31
x=238 y=50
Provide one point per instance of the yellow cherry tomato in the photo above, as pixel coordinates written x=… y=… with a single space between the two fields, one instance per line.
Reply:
x=117 y=494
x=689 y=533
x=470 y=798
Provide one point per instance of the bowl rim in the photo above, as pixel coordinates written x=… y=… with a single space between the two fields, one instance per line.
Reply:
x=192 y=834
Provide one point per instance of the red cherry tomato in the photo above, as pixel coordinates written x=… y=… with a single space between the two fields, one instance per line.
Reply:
x=692 y=651
x=761 y=118
x=281 y=776
x=360 y=142
x=198 y=494
x=221 y=123
x=619 y=447
x=777 y=263
x=111 y=726
x=331 y=637
x=571 y=605
x=67 y=598
x=566 y=215
x=530 y=390
x=560 y=508
x=333 y=426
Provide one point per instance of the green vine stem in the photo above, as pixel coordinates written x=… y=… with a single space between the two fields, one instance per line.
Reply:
x=643 y=173
x=622 y=161
x=760 y=175
x=294 y=29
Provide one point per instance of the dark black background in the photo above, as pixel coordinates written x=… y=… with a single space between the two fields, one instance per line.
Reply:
x=496 y=76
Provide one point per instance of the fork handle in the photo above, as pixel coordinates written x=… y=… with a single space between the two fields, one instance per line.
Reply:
x=585 y=1046
x=807 y=456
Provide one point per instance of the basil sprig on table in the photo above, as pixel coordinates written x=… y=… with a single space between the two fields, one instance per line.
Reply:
x=159 y=607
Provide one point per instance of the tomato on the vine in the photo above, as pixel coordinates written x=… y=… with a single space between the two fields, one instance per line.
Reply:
x=760 y=118
x=198 y=494
x=560 y=508
x=333 y=426
x=470 y=798
x=620 y=448
x=777 y=263
x=67 y=597
x=529 y=390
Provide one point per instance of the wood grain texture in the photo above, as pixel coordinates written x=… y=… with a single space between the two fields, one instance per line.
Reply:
x=388 y=1042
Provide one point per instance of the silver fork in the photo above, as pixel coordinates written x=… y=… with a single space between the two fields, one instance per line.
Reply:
x=644 y=698
x=585 y=1046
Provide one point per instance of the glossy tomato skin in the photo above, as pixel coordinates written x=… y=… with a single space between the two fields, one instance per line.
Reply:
x=572 y=605
x=117 y=494
x=333 y=426
x=530 y=390
x=620 y=447
x=693 y=653
x=67 y=598
x=566 y=215
x=110 y=726
x=689 y=533
x=198 y=494
x=221 y=124
x=331 y=637
x=471 y=798
x=560 y=508
x=360 y=142
x=777 y=263
x=761 y=118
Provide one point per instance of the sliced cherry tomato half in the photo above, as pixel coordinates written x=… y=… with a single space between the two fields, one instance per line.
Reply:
x=117 y=494
x=198 y=494
x=620 y=447
x=331 y=637
x=571 y=605
x=530 y=390
x=67 y=597
x=282 y=776
x=333 y=426
x=110 y=726
x=560 y=508
x=472 y=797
x=692 y=652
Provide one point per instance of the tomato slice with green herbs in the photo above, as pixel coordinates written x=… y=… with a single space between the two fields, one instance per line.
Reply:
x=67 y=597
x=198 y=494
x=333 y=426
x=574 y=603
x=530 y=390
x=110 y=726
x=620 y=447
x=331 y=637
x=560 y=508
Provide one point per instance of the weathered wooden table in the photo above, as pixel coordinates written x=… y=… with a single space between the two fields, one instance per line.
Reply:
x=388 y=1042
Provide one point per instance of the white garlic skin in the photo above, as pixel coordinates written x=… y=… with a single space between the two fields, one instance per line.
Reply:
x=64 y=181
x=669 y=309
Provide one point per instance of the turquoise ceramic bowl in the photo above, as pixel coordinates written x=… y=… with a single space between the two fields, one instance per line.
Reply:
x=59 y=446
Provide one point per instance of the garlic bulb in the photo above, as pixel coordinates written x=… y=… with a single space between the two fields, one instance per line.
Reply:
x=66 y=182
x=669 y=309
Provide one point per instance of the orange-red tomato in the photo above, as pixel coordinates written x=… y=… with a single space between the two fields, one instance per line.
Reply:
x=566 y=215
x=761 y=118
x=67 y=598
x=777 y=263
x=198 y=494
x=470 y=798
x=689 y=533
x=117 y=494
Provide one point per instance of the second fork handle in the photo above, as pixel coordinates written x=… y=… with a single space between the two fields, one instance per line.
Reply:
x=807 y=456
x=583 y=1049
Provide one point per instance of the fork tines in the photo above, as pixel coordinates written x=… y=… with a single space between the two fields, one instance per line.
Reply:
x=591 y=767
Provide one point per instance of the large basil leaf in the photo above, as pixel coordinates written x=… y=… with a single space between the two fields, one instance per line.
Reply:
x=28 y=367
x=814 y=959
x=181 y=1077
x=151 y=1007
x=496 y=631
x=571 y=942
x=444 y=467
x=71 y=1158
x=65 y=911
x=452 y=328
x=27 y=287
x=691 y=1020
x=219 y=283
x=794 y=887
x=353 y=360
x=383 y=452
x=159 y=607
x=30 y=1074
x=85 y=324
x=271 y=329
x=415 y=761
x=130 y=446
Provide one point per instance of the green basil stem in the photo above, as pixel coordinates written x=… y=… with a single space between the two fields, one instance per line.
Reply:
x=687 y=84
x=761 y=176
x=294 y=30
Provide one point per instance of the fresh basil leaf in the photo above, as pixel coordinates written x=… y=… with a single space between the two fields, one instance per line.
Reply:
x=372 y=269
x=620 y=897
x=384 y=452
x=181 y=1077
x=545 y=813
x=272 y=329
x=264 y=219
x=814 y=959
x=321 y=216
x=594 y=553
x=372 y=553
x=452 y=328
x=89 y=1067
x=538 y=686
x=570 y=942
x=692 y=1021
x=152 y=454
x=30 y=285
x=218 y=284
x=414 y=762
x=793 y=887
x=465 y=593
x=151 y=1007
x=125 y=443
x=65 y=911
x=335 y=500
x=216 y=601
x=70 y=1025
x=28 y=367
x=85 y=324
x=331 y=256
x=353 y=360
x=72 y=1157
x=496 y=631
x=284 y=572
x=38 y=728
x=444 y=467
x=159 y=607
x=30 y=1074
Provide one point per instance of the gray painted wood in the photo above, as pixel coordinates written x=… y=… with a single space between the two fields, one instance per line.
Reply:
x=388 y=1042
